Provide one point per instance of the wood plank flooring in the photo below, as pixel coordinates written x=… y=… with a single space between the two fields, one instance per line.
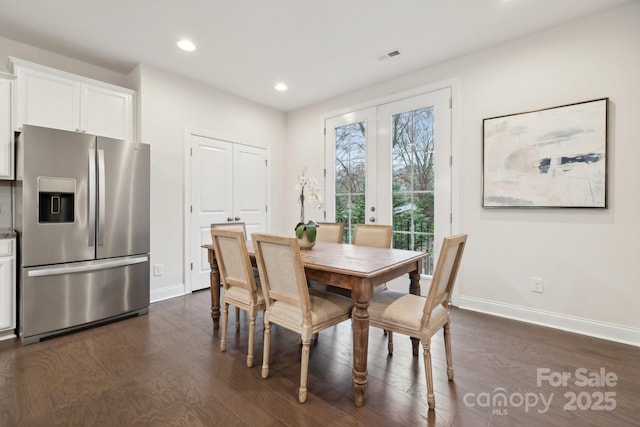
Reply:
x=166 y=369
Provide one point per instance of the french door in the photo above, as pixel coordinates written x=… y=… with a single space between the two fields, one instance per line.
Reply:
x=391 y=164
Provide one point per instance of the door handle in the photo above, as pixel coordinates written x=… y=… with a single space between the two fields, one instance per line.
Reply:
x=229 y=219
x=92 y=197
x=372 y=219
x=102 y=198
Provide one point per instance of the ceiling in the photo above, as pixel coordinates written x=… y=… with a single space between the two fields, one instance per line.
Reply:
x=319 y=48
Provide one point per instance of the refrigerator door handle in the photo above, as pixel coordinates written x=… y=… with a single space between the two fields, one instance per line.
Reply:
x=101 y=197
x=85 y=267
x=92 y=197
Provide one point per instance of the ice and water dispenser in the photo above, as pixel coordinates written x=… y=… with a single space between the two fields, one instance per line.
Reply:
x=56 y=199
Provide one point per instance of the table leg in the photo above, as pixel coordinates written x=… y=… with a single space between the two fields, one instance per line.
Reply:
x=215 y=289
x=360 y=319
x=414 y=288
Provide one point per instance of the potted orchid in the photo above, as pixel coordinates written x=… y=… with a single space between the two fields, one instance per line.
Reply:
x=307 y=190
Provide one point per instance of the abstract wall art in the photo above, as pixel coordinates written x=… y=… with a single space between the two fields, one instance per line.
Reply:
x=556 y=157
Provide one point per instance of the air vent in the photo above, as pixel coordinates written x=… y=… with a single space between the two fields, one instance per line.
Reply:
x=388 y=55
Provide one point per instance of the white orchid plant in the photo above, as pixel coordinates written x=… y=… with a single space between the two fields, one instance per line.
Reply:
x=307 y=190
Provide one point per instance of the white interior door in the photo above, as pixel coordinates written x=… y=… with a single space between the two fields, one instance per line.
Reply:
x=211 y=199
x=250 y=187
x=228 y=184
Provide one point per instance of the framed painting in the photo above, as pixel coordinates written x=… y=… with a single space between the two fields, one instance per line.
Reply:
x=556 y=157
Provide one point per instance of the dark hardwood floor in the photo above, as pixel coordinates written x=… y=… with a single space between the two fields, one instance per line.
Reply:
x=166 y=369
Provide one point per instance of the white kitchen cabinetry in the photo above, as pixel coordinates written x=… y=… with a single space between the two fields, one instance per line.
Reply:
x=6 y=135
x=7 y=288
x=61 y=100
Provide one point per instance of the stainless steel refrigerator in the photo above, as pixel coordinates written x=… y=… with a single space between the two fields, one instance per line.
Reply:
x=82 y=218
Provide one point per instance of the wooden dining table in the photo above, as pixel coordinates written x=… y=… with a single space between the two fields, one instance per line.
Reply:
x=359 y=269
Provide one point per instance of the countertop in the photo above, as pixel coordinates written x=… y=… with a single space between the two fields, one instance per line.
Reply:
x=7 y=233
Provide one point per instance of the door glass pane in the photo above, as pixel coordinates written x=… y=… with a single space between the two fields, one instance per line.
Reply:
x=413 y=182
x=350 y=165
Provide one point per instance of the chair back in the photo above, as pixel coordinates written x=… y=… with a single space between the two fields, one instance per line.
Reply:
x=233 y=259
x=444 y=276
x=282 y=273
x=331 y=232
x=232 y=226
x=375 y=235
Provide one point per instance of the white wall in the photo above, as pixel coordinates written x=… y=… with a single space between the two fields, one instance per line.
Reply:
x=169 y=106
x=587 y=257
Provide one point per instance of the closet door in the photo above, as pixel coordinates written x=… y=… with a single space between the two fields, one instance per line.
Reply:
x=228 y=184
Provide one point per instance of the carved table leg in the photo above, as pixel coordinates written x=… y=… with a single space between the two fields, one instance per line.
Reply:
x=414 y=288
x=360 y=319
x=215 y=290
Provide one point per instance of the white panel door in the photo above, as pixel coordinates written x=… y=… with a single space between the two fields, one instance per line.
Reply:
x=228 y=184
x=211 y=199
x=250 y=187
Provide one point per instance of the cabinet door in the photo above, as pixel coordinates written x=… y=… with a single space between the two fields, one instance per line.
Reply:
x=106 y=112
x=7 y=294
x=6 y=137
x=47 y=100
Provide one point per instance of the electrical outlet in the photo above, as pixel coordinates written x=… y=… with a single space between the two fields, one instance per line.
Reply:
x=157 y=269
x=537 y=285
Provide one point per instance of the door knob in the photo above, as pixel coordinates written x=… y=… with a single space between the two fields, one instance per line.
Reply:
x=237 y=218
x=229 y=219
x=372 y=219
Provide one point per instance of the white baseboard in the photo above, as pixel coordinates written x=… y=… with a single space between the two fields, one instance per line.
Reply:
x=167 y=292
x=593 y=328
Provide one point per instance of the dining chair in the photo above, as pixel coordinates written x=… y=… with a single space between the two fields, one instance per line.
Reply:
x=233 y=226
x=375 y=235
x=240 y=286
x=289 y=303
x=331 y=232
x=420 y=317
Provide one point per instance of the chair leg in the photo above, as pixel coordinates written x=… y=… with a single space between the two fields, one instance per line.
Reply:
x=431 y=399
x=252 y=330
x=237 y=319
x=304 y=370
x=223 y=335
x=390 y=343
x=265 y=351
x=447 y=349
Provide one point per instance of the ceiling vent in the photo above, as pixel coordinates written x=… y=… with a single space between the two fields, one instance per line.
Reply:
x=388 y=55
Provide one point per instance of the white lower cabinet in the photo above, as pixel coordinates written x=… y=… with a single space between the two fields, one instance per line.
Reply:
x=7 y=288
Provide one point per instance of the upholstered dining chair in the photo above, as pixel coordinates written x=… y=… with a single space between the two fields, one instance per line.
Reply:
x=375 y=235
x=234 y=226
x=240 y=286
x=421 y=317
x=331 y=232
x=289 y=302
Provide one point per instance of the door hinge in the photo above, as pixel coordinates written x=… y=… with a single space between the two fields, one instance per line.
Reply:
x=191 y=151
x=266 y=208
x=451 y=218
x=191 y=208
x=325 y=173
x=191 y=266
x=265 y=162
x=450 y=161
x=325 y=131
x=450 y=103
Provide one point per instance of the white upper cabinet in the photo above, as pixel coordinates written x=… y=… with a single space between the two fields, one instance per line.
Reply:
x=56 y=99
x=6 y=136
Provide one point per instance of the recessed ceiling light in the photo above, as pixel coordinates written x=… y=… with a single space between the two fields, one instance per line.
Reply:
x=187 y=45
x=281 y=86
